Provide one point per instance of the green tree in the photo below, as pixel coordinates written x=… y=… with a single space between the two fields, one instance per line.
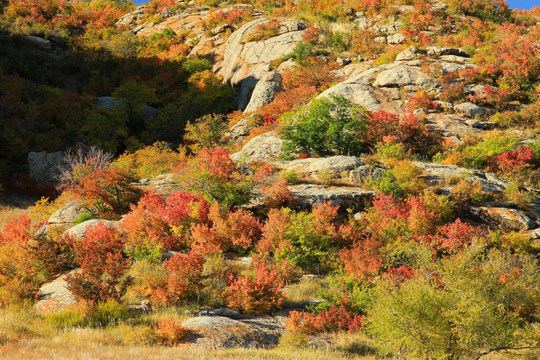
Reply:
x=326 y=127
x=474 y=303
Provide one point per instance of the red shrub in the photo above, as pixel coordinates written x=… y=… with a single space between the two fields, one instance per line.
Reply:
x=512 y=161
x=363 y=260
x=453 y=237
x=181 y=209
x=336 y=318
x=257 y=294
x=311 y=35
x=400 y=274
x=184 y=277
x=18 y=231
x=225 y=231
x=143 y=226
x=110 y=190
x=407 y=129
x=103 y=265
x=390 y=219
x=277 y=195
x=21 y=273
x=420 y=100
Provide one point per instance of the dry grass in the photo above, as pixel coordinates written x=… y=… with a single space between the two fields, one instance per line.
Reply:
x=76 y=346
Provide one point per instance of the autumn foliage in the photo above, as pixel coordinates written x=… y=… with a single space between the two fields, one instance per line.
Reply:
x=256 y=294
x=103 y=266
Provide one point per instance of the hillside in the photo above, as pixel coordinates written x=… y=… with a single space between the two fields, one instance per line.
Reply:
x=269 y=179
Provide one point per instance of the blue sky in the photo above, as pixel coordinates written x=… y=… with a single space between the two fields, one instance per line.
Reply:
x=514 y=4
x=523 y=4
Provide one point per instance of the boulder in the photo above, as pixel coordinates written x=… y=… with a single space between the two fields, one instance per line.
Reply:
x=410 y=54
x=225 y=312
x=356 y=90
x=313 y=166
x=39 y=42
x=45 y=167
x=344 y=197
x=264 y=92
x=67 y=214
x=396 y=38
x=218 y=332
x=401 y=76
x=164 y=185
x=78 y=232
x=241 y=129
x=365 y=172
x=55 y=296
x=111 y=103
x=469 y=109
x=266 y=147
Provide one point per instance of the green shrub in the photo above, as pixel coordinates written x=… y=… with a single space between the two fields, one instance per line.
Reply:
x=468 y=304
x=83 y=218
x=326 y=127
x=109 y=312
x=476 y=155
x=67 y=319
x=194 y=65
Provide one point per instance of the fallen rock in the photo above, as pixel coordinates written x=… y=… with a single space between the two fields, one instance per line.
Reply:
x=410 y=54
x=482 y=125
x=355 y=89
x=365 y=172
x=164 y=185
x=110 y=103
x=39 y=42
x=266 y=148
x=469 y=109
x=225 y=312
x=55 y=296
x=217 y=332
x=441 y=174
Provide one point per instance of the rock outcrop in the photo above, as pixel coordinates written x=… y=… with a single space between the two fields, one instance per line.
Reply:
x=218 y=332
x=45 y=167
x=67 y=214
x=247 y=62
x=266 y=147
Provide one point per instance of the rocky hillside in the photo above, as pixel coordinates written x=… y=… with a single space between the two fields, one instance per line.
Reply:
x=355 y=178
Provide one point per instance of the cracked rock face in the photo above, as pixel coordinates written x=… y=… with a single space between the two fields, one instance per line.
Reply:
x=243 y=60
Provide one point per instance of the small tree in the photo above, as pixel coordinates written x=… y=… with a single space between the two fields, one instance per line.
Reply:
x=326 y=127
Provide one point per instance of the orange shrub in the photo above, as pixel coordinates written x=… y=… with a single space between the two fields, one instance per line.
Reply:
x=256 y=294
x=170 y=332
